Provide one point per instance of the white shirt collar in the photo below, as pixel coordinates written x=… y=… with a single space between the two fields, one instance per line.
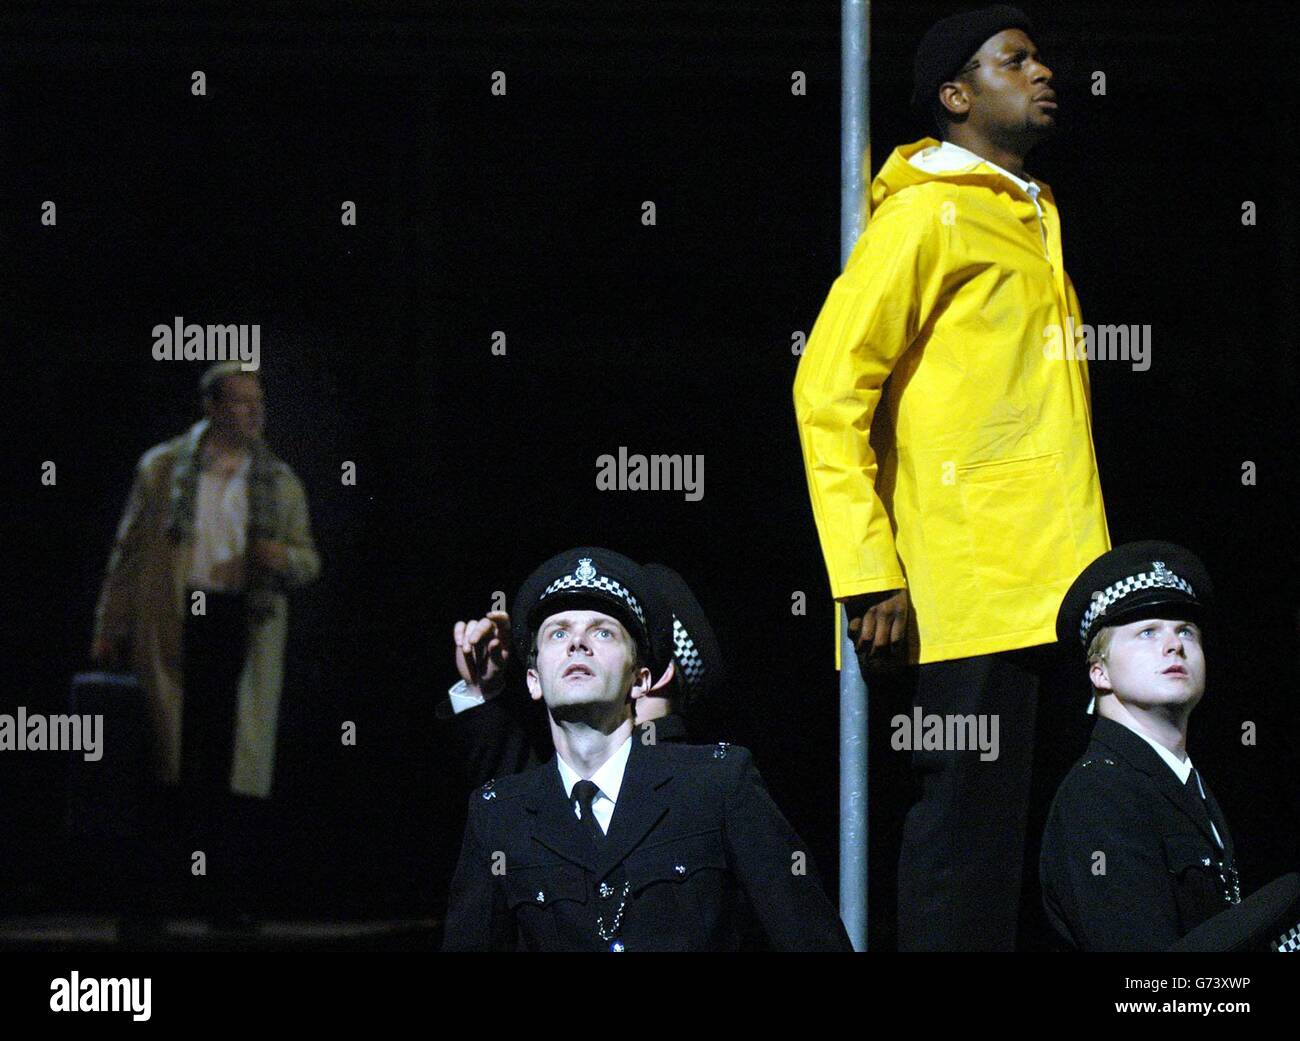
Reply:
x=609 y=778
x=947 y=157
x=1181 y=767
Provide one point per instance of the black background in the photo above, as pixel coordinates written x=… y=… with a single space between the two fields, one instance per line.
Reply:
x=522 y=214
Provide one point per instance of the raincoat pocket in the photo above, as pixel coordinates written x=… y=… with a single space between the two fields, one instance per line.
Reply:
x=1012 y=511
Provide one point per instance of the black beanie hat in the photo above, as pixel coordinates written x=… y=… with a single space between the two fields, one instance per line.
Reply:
x=949 y=45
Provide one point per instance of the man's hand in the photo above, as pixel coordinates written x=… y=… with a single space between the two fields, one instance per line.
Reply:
x=271 y=554
x=483 y=651
x=878 y=625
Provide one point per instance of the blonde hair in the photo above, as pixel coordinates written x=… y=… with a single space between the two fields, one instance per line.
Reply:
x=1100 y=645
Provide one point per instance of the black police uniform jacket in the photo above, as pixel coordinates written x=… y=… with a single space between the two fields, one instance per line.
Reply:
x=1163 y=872
x=693 y=830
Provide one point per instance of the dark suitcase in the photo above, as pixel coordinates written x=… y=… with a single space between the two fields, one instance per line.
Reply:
x=106 y=797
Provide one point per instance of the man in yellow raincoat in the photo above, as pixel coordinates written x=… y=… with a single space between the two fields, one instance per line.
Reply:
x=956 y=502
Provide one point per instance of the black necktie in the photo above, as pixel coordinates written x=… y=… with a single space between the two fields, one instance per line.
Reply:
x=583 y=794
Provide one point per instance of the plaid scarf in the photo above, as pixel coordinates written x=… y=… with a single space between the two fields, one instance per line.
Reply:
x=262 y=584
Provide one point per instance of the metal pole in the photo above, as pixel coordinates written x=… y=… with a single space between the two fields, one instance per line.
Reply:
x=855 y=140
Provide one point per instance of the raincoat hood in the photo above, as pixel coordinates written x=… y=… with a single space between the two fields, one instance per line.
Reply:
x=927 y=160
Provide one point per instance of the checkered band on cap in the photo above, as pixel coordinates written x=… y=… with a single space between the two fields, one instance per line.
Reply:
x=687 y=654
x=1159 y=577
x=584 y=576
x=1288 y=942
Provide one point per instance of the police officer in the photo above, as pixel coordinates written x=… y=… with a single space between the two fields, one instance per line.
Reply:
x=1137 y=852
x=488 y=737
x=619 y=842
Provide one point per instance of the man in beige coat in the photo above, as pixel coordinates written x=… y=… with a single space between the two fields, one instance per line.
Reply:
x=215 y=532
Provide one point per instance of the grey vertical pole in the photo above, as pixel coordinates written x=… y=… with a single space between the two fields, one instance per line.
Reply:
x=855 y=139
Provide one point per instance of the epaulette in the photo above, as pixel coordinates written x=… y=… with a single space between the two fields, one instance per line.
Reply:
x=722 y=752
x=510 y=786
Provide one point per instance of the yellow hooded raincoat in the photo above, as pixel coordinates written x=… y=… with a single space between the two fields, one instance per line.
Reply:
x=970 y=477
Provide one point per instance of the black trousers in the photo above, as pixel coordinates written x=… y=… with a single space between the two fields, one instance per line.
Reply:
x=213 y=820
x=963 y=846
x=214 y=648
